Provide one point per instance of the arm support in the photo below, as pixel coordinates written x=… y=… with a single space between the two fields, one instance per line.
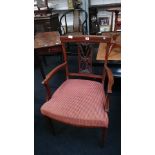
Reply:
x=110 y=79
x=109 y=89
x=49 y=76
x=54 y=71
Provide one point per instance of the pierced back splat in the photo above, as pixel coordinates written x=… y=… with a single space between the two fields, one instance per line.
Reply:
x=85 y=58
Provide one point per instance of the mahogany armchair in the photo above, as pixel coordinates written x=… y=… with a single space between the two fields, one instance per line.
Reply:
x=81 y=102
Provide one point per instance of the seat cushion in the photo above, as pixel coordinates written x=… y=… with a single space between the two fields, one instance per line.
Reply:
x=78 y=102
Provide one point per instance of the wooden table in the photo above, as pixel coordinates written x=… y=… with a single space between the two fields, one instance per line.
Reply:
x=47 y=39
x=46 y=43
x=116 y=51
x=114 y=57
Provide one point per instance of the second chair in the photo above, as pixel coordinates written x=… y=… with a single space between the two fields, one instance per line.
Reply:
x=73 y=22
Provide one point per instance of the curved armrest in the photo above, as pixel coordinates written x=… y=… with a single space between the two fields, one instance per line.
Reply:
x=110 y=79
x=54 y=71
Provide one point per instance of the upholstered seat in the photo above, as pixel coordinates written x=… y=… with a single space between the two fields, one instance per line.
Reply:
x=79 y=102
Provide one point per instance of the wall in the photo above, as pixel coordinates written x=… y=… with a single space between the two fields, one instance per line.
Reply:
x=60 y=4
x=98 y=2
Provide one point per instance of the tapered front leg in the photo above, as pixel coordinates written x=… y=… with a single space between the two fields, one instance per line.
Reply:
x=51 y=126
x=103 y=137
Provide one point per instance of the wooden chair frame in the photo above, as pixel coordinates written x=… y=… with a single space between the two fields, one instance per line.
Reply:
x=106 y=70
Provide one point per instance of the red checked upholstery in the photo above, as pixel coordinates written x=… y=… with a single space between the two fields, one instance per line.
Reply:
x=78 y=102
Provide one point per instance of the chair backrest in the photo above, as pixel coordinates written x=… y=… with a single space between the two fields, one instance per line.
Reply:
x=78 y=24
x=86 y=46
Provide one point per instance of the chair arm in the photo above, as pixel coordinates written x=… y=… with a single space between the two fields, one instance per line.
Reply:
x=110 y=79
x=54 y=71
x=109 y=89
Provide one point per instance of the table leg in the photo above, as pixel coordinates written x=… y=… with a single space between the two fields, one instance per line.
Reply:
x=40 y=65
x=44 y=59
